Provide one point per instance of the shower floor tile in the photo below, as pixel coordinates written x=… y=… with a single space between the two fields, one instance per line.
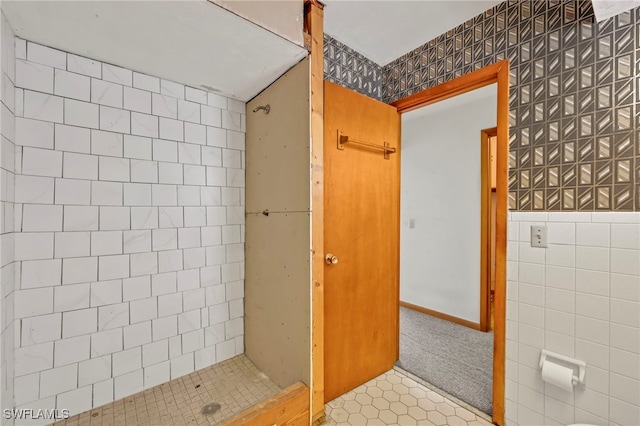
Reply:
x=235 y=384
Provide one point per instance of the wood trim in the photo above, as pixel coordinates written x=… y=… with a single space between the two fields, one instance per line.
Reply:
x=500 y=296
x=288 y=407
x=399 y=231
x=440 y=315
x=466 y=83
x=496 y=73
x=485 y=231
x=485 y=228
x=314 y=16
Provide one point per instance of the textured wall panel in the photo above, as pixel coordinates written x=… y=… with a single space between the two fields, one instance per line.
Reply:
x=573 y=122
x=348 y=68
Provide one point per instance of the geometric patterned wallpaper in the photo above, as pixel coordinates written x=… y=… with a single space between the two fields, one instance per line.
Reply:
x=348 y=68
x=574 y=98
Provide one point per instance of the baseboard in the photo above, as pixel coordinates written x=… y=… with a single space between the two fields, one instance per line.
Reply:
x=440 y=315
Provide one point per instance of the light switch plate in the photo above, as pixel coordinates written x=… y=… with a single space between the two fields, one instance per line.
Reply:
x=538 y=236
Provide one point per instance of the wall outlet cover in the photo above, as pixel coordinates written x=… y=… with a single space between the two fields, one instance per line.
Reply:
x=538 y=236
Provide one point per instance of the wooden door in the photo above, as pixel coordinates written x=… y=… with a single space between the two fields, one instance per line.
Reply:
x=361 y=228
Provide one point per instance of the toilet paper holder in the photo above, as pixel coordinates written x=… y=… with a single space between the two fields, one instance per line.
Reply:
x=582 y=366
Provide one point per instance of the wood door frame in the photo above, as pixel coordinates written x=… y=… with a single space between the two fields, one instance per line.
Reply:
x=485 y=227
x=314 y=28
x=495 y=73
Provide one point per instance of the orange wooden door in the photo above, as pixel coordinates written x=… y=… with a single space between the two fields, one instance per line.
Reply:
x=361 y=228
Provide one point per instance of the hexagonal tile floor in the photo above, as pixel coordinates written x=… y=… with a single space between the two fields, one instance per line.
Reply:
x=396 y=399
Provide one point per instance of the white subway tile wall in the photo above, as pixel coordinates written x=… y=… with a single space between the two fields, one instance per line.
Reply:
x=128 y=255
x=38 y=136
x=579 y=297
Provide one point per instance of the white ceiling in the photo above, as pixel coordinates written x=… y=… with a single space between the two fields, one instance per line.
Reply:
x=193 y=42
x=383 y=30
x=605 y=9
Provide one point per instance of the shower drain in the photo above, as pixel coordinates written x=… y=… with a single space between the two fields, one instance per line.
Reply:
x=209 y=409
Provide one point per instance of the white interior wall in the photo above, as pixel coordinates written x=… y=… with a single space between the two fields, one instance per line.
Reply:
x=131 y=220
x=440 y=193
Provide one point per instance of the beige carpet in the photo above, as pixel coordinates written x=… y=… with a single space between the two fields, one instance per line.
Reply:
x=454 y=358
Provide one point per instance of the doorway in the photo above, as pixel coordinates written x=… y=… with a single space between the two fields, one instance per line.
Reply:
x=496 y=73
x=499 y=73
x=444 y=246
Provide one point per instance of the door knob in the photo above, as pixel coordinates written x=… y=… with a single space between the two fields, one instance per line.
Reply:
x=330 y=259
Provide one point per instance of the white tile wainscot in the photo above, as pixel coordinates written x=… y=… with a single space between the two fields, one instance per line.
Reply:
x=579 y=297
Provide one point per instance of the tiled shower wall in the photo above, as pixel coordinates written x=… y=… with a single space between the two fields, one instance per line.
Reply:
x=7 y=149
x=129 y=218
x=573 y=98
x=348 y=68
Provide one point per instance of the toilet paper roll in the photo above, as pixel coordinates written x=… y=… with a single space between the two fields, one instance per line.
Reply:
x=557 y=375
